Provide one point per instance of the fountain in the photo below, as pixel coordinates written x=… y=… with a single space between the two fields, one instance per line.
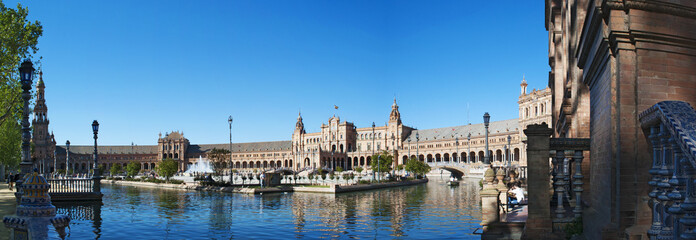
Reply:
x=200 y=166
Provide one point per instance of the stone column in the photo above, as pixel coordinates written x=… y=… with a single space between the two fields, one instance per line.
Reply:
x=539 y=220
x=489 y=200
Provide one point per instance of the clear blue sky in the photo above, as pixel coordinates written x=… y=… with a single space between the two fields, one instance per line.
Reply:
x=144 y=67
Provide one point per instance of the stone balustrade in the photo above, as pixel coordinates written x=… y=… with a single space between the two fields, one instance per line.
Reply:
x=670 y=129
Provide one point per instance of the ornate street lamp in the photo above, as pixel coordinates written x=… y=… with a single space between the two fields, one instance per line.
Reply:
x=26 y=71
x=468 y=147
x=456 y=142
x=486 y=121
x=417 y=146
x=55 y=160
x=67 y=157
x=409 y=148
x=509 y=148
x=373 y=148
x=229 y=120
x=97 y=174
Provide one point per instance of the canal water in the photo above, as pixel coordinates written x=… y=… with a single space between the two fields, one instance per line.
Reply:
x=426 y=211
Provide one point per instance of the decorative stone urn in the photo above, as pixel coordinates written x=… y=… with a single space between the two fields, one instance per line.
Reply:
x=500 y=175
x=35 y=211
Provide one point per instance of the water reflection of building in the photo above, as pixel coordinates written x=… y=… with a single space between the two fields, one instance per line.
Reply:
x=338 y=143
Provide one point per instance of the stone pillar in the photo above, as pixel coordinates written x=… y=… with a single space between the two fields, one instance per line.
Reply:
x=539 y=220
x=489 y=200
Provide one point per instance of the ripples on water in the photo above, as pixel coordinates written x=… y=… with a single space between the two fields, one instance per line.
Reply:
x=430 y=211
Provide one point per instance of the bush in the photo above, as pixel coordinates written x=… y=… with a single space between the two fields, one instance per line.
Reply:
x=574 y=228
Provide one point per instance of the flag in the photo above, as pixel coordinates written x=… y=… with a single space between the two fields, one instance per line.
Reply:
x=336 y=107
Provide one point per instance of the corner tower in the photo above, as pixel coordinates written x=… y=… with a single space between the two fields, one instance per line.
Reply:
x=43 y=144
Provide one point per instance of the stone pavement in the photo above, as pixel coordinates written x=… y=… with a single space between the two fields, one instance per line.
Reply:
x=8 y=206
x=517 y=214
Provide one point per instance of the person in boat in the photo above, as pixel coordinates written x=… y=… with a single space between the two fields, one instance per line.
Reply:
x=452 y=178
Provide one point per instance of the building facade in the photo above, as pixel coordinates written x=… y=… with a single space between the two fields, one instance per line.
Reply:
x=609 y=61
x=338 y=143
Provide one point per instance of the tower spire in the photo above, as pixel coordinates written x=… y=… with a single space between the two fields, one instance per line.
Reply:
x=523 y=86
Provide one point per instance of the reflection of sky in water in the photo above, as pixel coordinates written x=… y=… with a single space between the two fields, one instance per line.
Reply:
x=417 y=212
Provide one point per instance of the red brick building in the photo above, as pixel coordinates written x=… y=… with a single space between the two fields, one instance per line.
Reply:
x=611 y=60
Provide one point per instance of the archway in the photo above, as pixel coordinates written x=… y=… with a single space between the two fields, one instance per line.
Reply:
x=498 y=155
x=362 y=161
x=517 y=154
x=430 y=158
x=445 y=157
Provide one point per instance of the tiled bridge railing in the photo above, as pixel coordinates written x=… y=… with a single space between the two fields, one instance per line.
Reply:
x=670 y=128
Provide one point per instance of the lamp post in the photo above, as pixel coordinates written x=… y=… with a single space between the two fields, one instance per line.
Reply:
x=396 y=159
x=486 y=120
x=229 y=120
x=509 y=149
x=97 y=174
x=373 y=148
x=456 y=142
x=409 y=148
x=67 y=157
x=468 y=147
x=55 y=160
x=417 y=146
x=26 y=71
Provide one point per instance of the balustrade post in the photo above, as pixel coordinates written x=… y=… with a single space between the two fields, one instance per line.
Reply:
x=677 y=182
x=665 y=173
x=538 y=224
x=578 y=183
x=559 y=184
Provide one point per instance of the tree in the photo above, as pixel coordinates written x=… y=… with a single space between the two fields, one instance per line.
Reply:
x=132 y=168
x=359 y=170
x=116 y=169
x=385 y=162
x=18 y=40
x=219 y=158
x=417 y=167
x=339 y=169
x=167 y=168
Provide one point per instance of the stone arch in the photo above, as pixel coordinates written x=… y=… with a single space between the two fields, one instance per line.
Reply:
x=454 y=157
x=430 y=158
x=237 y=165
x=499 y=155
x=176 y=156
x=244 y=164
x=369 y=160
x=341 y=147
x=517 y=154
x=306 y=162
x=463 y=157
x=265 y=164
x=438 y=157
x=258 y=164
x=278 y=164
x=404 y=159
x=445 y=157
x=421 y=158
x=286 y=163
x=290 y=163
x=481 y=156
x=362 y=161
